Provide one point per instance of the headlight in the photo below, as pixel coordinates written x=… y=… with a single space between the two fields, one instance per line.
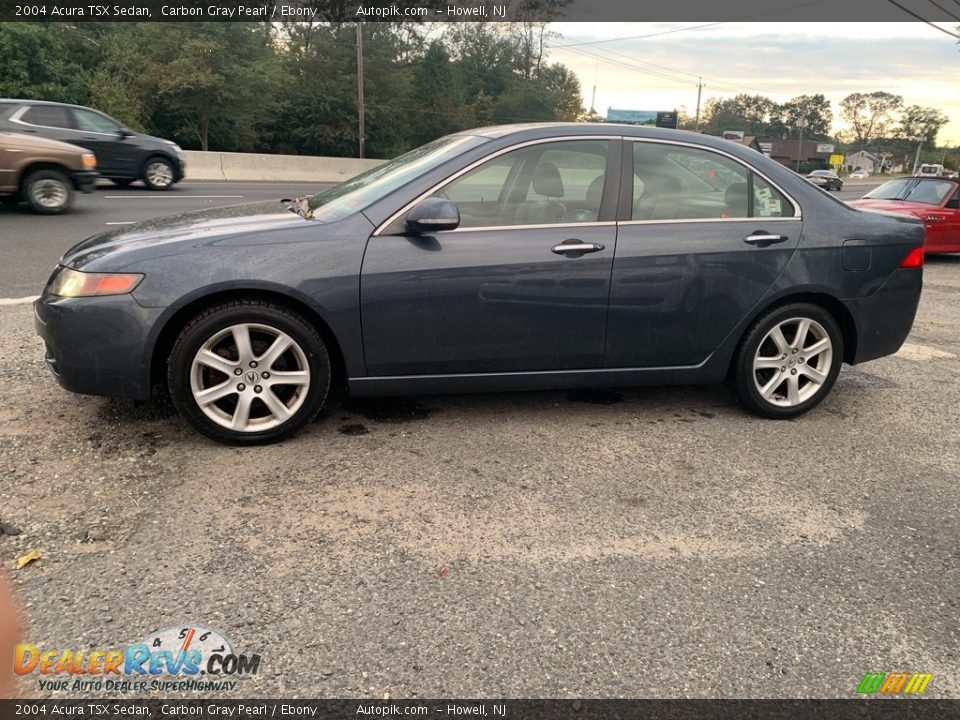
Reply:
x=89 y=161
x=71 y=283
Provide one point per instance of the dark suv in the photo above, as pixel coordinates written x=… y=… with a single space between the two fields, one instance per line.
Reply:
x=123 y=155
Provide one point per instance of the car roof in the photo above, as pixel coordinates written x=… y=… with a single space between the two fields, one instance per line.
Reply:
x=18 y=101
x=535 y=131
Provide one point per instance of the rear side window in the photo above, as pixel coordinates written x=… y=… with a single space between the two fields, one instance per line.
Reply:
x=675 y=182
x=48 y=116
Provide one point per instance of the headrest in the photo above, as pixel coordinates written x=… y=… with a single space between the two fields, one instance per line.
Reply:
x=547 y=181
x=595 y=192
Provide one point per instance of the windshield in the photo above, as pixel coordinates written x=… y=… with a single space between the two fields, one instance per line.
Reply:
x=363 y=190
x=933 y=192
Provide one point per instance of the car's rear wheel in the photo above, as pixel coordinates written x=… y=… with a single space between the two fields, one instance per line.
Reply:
x=48 y=192
x=158 y=174
x=788 y=361
x=249 y=372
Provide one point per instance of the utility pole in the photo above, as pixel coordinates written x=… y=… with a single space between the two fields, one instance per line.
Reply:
x=699 y=90
x=916 y=161
x=593 y=97
x=801 y=124
x=360 y=111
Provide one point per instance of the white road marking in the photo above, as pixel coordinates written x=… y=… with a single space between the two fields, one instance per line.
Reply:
x=919 y=353
x=125 y=222
x=170 y=197
x=18 y=301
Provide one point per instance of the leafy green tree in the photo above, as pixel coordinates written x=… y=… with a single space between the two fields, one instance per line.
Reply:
x=35 y=63
x=815 y=109
x=754 y=114
x=917 y=121
x=870 y=115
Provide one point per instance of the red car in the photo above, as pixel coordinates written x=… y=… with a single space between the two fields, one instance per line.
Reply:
x=936 y=201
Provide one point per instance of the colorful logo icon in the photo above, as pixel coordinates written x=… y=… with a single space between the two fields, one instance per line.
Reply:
x=879 y=683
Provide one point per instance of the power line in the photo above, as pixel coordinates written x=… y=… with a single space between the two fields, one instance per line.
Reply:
x=640 y=37
x=911 y=13
x=941 y=7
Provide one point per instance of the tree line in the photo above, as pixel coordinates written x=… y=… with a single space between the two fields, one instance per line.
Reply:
x=258 y=87
x=875 y=119
x=291 y=88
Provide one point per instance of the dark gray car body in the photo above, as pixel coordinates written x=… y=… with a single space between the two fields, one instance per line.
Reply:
x=121 y=155
x=493 y=309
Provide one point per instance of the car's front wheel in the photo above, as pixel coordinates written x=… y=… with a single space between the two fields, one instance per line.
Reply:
x=158 y=174
x=788 y=361
x=249 y=372
x=48 y=192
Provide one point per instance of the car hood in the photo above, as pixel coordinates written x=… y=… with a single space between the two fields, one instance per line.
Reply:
x=34 y=142
x=901 y=207
x=241 y=224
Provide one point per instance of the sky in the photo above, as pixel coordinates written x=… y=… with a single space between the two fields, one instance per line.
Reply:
x=779 y=60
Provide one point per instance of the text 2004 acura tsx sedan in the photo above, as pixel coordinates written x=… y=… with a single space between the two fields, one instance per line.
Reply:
x=516 y=257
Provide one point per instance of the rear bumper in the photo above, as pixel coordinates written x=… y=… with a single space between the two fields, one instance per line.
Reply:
x=85 y=180
x=884 y=319
x=97 y=345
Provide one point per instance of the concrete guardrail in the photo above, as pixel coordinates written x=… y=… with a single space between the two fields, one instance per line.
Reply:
x=272 y=168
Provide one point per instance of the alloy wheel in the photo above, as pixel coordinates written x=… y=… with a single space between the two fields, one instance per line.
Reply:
x=250 y=377
x=49 y=193
x=159 y=174
x=793 y=361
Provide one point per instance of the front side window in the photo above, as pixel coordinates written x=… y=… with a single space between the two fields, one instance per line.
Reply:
x=90 y=121
x=675 y=182
x=542 y=184
x=47 y=116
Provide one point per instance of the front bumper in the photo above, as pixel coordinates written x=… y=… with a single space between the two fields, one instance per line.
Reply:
x=85 y=180
x=884 y=319
x=97 y=345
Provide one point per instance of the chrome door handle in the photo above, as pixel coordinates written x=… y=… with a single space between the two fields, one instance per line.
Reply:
x=762 y=239
x=575 y=246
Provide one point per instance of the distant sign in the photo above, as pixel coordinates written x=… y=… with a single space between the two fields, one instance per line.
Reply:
x=735 y=135
x=632 y=117
x=836 y=159
x=766 y=148
x=825 y=148
x=649 y=118
x=667 y=119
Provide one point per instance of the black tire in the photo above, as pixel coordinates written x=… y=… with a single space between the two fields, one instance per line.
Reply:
x=123 y=182
x=162 y=166
x=204 y=328
x=746 y=377
x=48 y=191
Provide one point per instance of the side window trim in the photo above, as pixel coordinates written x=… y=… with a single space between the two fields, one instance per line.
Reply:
x=625 y=205
x=613 y=140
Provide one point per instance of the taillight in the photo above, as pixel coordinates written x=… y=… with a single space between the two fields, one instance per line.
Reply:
x=914 y=259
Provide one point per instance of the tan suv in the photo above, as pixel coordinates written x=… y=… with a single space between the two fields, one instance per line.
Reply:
x=44 y=173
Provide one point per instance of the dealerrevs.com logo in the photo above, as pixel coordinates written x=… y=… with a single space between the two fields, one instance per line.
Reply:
x=183 y=658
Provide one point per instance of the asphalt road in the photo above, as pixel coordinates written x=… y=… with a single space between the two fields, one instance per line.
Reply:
x=653 y=542
x=30 y=244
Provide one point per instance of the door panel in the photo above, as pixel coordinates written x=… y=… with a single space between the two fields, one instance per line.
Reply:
x=707 y=239
x=479 y=301
x=679 y=288
x=101 y=134
x=500 y=294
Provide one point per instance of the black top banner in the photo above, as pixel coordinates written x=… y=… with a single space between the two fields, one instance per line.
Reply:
x=477 y=10
x=876 y=709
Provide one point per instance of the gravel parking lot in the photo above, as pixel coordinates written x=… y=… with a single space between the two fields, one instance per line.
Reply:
x=653 y=542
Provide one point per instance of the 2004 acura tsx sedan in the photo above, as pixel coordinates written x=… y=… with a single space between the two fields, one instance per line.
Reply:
x=514 y=257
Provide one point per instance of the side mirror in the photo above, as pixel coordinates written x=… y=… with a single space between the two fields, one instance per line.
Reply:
x=433 y=215
x=124 y=133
